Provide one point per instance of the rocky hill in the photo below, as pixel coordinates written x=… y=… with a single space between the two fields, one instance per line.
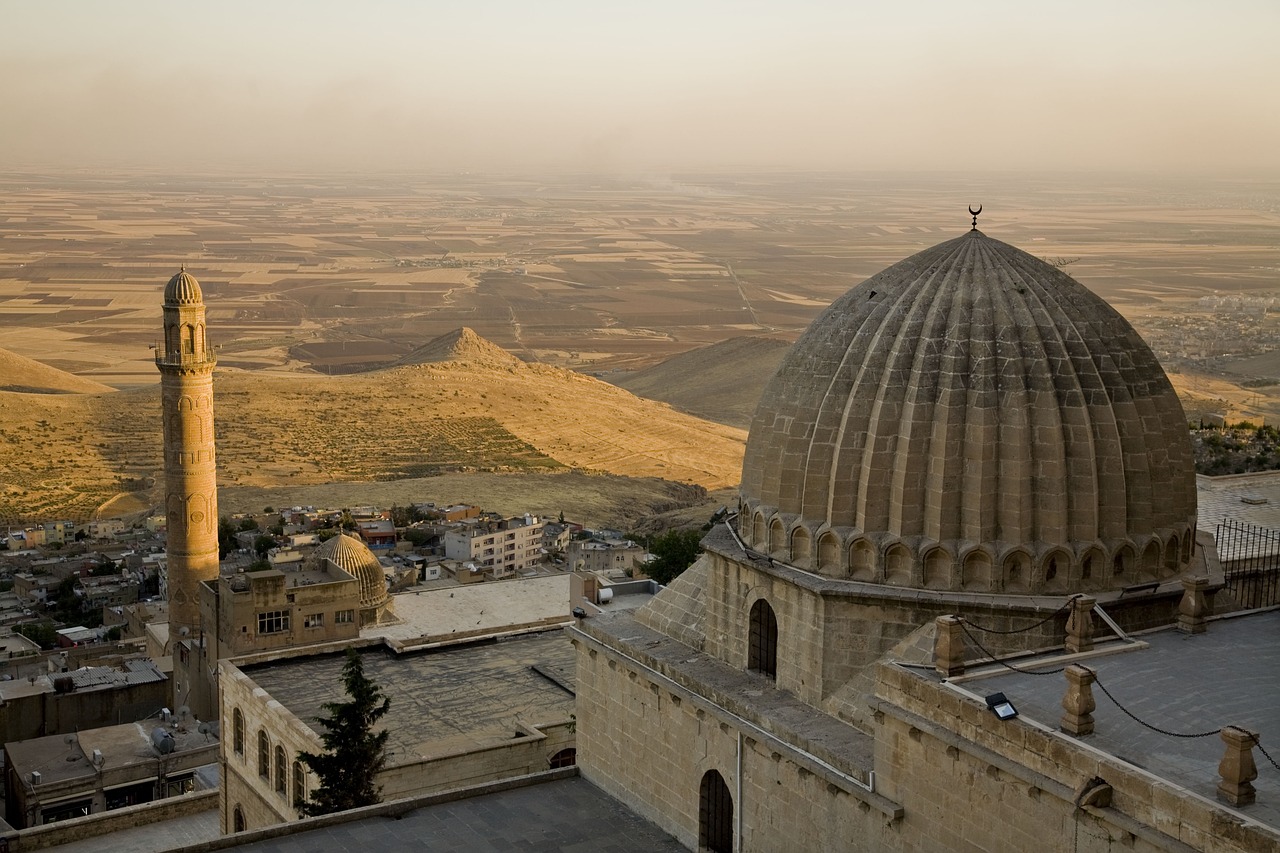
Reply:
x=721 y=382
x=469 y=406
x=21 y=374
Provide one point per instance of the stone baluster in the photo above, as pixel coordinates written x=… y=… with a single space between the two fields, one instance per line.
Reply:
x=1193 y=610
x=1237 y=768
x=1080 y=624
x=1078 y=702
x=948 y=646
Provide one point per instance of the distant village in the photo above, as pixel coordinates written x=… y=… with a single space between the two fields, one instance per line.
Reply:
x=89 y=670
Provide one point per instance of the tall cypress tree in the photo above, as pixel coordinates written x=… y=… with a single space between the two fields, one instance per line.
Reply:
x=354 y=751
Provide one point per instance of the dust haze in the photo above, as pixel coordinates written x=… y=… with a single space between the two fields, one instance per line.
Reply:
x=590 y=87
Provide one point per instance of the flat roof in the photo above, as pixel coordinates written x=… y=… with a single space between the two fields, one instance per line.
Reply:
x=487 y=606
x=66 y=756
x=445 y=700
x=1237 y=497
x=1188 y=684
x=563 y=815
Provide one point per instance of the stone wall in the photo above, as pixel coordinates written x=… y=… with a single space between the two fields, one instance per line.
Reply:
x=67 y=831
x=648 y=742
x=967 y=779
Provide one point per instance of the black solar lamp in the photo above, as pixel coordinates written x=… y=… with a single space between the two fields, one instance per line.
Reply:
x=1001 y=706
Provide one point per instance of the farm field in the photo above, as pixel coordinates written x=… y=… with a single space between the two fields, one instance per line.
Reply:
x=314 y=283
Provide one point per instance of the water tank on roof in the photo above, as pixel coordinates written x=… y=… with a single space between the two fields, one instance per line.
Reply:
x=605 y=596
x=163 y=741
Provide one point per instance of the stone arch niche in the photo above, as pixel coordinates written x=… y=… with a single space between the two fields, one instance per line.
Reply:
x=1092 y=564
x=828 y=553
x=1055 y=571
x=897 y=565
x=1122 y=563
x=800 y=547
x=862 y=560
x=1150 y=569
x=937 y=569
x=1188 y=550
x=975 y=572
x=1016 y=574
x=1171 y=557
x=777 y=538
x=759 y=531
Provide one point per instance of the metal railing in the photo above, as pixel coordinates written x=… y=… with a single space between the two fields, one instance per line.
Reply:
x=1251 y=562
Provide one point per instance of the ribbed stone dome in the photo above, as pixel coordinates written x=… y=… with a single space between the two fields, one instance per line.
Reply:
x=354 y=557
x=972 y=418
x=182 y=289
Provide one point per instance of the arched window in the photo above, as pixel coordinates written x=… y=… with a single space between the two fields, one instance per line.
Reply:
x=715 y=814
x=1171 y=555
x=237 y=819
x=299 y=785
x=280 y=770
x=237 y=731
x=264 y=755
x=564 y=758
x=188 y=339
x=762 y=640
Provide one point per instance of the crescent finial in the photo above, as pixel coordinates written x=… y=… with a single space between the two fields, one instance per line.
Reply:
x=974 y=214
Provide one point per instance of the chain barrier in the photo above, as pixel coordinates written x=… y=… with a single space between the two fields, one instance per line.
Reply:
x=965 y=627
x=1054 y=615
x=1133 y=717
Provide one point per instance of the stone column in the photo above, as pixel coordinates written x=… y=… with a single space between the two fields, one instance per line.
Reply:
x=1237 y=768
x=1193 y=610
x=1080 y=624
x=1078 y=701
x=948 y=646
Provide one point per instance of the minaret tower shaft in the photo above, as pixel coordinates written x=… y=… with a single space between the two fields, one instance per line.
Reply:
x=190 y=476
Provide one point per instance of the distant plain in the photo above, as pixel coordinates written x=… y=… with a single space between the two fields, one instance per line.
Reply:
x=605 y=276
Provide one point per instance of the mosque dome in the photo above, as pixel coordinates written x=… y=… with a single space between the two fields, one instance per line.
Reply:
x=182 y=289
x=354 y=557
x=972 y=419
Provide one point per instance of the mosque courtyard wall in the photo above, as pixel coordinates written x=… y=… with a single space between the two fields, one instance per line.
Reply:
x=947 y=774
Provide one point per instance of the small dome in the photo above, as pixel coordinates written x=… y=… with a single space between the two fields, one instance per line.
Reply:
x=354 y=557
x=183 y=289
x=972 y=418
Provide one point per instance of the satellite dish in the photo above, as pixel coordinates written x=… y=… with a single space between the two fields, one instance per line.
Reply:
x=69 y=739
x=184 y=712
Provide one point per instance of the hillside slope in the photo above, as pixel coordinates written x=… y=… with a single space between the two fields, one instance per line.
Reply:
x=21 y=374
x=67 y=455
x=721 y=382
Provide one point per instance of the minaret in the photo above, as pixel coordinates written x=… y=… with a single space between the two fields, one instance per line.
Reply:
x=190 y=478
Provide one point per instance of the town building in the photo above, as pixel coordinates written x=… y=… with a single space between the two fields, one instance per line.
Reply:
x=498 y=547
x=616 y=557
x=967 y=456
x=59 y=702
x=60 y=777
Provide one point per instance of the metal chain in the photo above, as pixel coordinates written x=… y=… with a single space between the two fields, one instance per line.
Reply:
x=1257 y=741
x=965 y=627
x=1049 y=618
x=1131 y=716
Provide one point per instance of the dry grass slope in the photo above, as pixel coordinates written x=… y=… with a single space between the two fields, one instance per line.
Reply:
x=473 y=411
x=21 y=374
x=721 y=382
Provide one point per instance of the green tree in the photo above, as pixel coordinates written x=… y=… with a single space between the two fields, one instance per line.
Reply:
x=226 y=537
x=247 y=524
x=263 y=544
x=354 y=751
x=675 y=551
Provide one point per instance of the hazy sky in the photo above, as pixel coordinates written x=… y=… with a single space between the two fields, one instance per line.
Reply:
x=433 y=85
